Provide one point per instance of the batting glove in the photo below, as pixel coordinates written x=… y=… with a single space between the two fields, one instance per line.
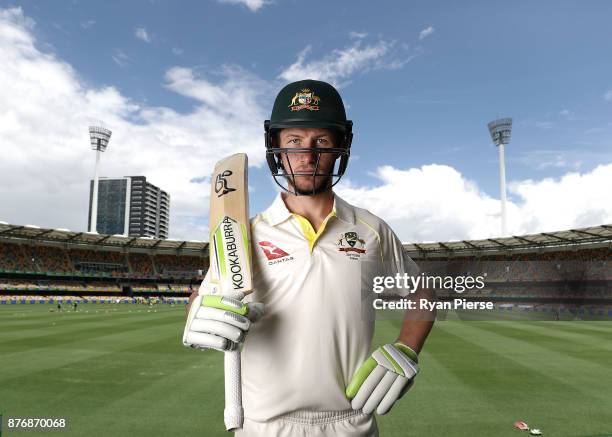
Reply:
x=217 y=322
x=383 y=378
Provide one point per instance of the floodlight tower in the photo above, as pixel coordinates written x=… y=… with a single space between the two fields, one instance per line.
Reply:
x=99 y=137
x=500 y=130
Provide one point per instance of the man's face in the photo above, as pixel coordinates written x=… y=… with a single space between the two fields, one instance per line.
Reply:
x=306 y=162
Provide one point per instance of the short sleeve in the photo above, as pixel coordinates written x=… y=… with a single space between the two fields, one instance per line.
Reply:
x=396 y=261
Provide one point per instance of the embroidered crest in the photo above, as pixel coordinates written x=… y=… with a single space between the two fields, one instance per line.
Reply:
x=351 y=244
x=305 y=99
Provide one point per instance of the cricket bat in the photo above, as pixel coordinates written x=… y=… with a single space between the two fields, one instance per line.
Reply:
x=230 y=260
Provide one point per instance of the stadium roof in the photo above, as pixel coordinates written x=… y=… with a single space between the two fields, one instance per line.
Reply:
x=572 y=237
x=37 y=234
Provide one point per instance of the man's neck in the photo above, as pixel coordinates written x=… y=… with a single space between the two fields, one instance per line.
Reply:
x=313 y=208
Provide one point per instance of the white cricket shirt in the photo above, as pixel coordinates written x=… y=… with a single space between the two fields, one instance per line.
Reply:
x=317 y=288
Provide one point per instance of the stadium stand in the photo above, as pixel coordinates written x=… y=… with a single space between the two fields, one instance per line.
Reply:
x=573 y=265
x=52 y=264
x=13 y=257
x=171 y=265
x=50 y=259
x=141 y=263
x=567 y=265
x=94 y=261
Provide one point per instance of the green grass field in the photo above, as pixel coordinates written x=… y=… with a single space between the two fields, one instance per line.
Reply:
x=119 y=370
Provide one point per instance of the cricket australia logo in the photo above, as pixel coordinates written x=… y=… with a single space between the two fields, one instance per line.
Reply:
x=351 y=244
x=305 y=99
x=221 y=186
x=274 y=253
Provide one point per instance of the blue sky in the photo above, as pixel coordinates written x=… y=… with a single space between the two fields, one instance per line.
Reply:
x=421 y=80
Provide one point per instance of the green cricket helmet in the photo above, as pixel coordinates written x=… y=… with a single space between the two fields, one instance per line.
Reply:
x=308 y=104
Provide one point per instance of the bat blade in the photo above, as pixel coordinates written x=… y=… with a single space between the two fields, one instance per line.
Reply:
x=230 y=260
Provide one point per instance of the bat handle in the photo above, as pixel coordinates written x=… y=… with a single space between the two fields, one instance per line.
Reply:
x=233 y=414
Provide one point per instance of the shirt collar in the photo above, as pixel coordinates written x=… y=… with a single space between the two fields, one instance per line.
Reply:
x=344 y=211
x=278 y=212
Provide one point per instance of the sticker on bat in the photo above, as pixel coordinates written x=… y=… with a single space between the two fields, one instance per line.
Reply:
x=232 y=255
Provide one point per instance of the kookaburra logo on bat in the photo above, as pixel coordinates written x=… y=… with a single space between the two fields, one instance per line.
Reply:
x=221 y=187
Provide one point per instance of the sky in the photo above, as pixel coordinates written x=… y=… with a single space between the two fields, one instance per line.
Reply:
x=182 y=85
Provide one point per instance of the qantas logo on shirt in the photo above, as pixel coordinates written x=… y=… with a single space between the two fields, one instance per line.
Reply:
x=274 y=253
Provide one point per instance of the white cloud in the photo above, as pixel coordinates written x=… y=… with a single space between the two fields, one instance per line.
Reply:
x=572 y=201
x=142 y=34
x=608 y=96
x=551 y=158
x=120 y=58
x=544 y=124
x=594 y=130
x=426 y=32
x=539 y=124
x=46 y=159
x=340 y=64
x=568 y=115
x=357 y=35
x=565 y=159
x=87 y=24
x=558 y=161
x=437 y=203
x=253 y=5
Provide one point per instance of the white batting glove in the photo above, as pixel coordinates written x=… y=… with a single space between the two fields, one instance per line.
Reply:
x=217 y=322
x=383 y=378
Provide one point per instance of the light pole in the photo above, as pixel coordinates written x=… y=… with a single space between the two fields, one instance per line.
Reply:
x=99 y=137
x=500 y=131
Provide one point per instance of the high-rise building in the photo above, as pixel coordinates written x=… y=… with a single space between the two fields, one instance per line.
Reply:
x=131 y=206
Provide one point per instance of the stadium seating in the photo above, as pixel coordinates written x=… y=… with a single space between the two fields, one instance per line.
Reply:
x=95 y=262
x=592 y=264
x=184 y=264
x=50 y=271
x=142 y=264
x=13 y=257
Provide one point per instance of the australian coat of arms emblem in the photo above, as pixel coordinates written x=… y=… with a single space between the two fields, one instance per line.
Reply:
x=305 y=99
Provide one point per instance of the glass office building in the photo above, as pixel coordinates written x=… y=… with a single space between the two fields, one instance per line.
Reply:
x=131 y=206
